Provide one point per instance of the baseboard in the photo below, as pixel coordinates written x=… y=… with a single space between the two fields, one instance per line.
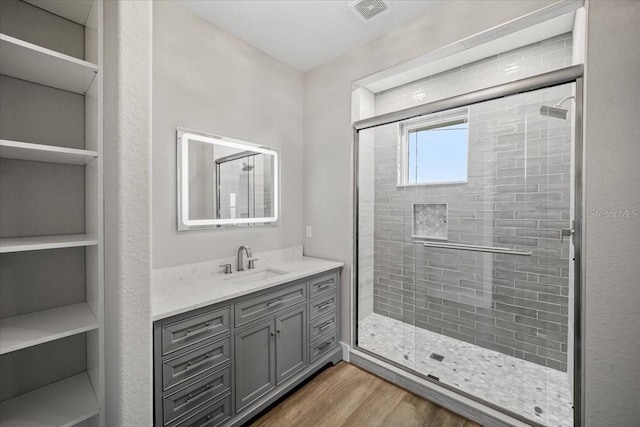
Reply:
x=346 y=348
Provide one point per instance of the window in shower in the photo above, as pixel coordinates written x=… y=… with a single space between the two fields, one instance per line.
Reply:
x=434 y=149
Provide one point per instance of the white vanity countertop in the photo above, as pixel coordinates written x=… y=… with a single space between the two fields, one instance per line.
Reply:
x=183 y=288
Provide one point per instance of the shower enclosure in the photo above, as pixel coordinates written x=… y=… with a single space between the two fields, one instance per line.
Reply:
x=466 y=243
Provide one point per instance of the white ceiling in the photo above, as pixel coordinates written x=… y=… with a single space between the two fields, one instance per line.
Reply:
x=304 y=33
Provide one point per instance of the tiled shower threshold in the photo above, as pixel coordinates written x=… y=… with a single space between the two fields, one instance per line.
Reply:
x=533 y=391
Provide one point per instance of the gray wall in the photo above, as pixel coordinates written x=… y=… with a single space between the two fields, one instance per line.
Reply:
x=327 y=112
x=612 y=155
x=208 y=80
x=515 y=305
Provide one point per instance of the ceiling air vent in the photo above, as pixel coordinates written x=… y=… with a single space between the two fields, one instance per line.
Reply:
x=369 y=9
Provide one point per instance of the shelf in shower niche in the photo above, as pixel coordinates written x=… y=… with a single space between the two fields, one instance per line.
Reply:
x=430 y=221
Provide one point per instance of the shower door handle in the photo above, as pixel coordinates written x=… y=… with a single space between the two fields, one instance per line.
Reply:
x=567 y=232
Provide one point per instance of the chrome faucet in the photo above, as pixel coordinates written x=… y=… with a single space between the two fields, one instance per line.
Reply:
x=242 y=249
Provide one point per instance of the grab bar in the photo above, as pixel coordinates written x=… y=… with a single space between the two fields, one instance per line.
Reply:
x=476 y=248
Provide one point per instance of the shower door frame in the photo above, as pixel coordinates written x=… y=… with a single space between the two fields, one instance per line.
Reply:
x=572 y=74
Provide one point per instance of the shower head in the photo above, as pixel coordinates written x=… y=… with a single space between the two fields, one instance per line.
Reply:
x=556 y=111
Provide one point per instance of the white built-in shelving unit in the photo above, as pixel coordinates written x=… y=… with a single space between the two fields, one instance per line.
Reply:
x=78 y=398
x=36 y=64
x=64 y=403
x=35 y=328
x=45 y=153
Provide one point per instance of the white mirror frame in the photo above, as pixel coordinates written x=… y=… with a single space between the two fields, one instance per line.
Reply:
x=184 y=222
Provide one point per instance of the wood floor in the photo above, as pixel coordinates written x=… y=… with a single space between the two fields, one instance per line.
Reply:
x=344 y=395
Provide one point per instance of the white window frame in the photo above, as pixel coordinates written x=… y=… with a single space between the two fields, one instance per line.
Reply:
x=423 y=123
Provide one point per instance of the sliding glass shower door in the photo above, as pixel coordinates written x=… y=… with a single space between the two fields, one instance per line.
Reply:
x=464 y=250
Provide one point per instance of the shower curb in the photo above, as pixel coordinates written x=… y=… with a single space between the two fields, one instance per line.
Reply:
x=475 y=411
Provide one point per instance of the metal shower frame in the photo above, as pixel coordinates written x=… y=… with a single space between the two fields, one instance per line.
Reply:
x=572 y=74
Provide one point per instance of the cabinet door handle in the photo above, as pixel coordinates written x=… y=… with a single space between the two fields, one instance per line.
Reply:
x=273 y=334
x=279 y=301
x=325 y=305
x=199 y=330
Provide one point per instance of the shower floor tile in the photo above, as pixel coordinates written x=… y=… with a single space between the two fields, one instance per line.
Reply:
x=533 y=391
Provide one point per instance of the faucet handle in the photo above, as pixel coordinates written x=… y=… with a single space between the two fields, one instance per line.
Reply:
x=252 y=263
x=227 y=268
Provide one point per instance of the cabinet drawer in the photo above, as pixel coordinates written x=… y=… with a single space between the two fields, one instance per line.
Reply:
x=212 y=416
x=322 y=325
x=322 y=345
x=323 y=304
x=195 y=329
x=196 y=362
x=322 y=284
x=255 y=308
x=196 y=395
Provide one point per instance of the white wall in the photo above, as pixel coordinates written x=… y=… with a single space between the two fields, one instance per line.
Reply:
x=612 y=278
x=209 y=80
x=127 y=178
x=327 y=113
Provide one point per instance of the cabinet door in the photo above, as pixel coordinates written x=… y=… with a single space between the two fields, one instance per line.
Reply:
x=291 y=342
x=255 y=362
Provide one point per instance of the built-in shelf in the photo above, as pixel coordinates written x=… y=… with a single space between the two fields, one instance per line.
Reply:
x=73 y=10
x=31 y=329
x=63 y=403
x=27 y=61
x=45 y=153
x=39 y=243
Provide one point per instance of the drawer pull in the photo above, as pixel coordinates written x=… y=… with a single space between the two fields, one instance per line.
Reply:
x=325 y=305
x=325 y=284
x=191 y=396
x=323 y=346
x=190 y=364
x=199 y=330
x=326 y=325
x=279 y=301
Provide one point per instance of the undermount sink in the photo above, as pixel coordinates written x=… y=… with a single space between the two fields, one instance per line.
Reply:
x=256 y=276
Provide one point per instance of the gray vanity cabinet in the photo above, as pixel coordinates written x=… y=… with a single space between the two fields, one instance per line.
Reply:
x=268 y=353
x=291 y=343
x=221 y=365
x=255 y=359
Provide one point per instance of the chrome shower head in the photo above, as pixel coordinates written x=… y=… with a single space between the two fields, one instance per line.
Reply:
x=558 y=113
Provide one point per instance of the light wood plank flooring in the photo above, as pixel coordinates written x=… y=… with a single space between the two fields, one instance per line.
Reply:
x=344 y=395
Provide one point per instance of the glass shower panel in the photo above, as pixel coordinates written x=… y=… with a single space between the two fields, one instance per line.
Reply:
x=466 y=281
x=385 y=251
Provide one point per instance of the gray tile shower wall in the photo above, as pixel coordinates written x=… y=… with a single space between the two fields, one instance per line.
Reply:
x=517 y=196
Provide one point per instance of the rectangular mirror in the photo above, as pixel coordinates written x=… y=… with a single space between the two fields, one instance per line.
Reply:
x=224 y=182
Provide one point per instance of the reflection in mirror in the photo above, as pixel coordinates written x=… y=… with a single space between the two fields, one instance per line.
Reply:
x=225 y=182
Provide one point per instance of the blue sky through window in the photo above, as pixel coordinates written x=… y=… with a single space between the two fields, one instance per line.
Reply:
x=438 y=154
